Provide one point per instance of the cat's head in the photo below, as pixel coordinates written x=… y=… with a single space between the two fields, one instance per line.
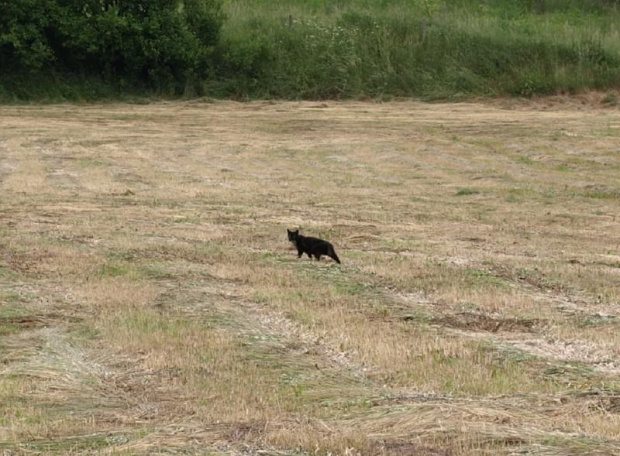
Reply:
x=292 y=235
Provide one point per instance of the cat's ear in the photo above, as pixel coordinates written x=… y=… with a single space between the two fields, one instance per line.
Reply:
x=289 y=231
x=296 y=232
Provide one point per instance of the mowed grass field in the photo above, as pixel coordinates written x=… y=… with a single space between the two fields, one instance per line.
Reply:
x=151 y=304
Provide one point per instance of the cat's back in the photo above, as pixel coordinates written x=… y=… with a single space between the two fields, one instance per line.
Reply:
x=314 y=240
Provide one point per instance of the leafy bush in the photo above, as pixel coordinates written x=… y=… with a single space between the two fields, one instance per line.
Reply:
x=159 y=44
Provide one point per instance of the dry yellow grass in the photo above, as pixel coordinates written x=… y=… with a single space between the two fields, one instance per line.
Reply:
x=150 y=303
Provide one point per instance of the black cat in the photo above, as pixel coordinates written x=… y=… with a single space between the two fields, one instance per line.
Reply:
x=311 y=246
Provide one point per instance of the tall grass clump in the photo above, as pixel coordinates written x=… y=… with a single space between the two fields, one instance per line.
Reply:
x=428 y=49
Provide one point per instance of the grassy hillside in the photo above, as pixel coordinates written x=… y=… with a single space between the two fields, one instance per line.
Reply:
x=431 y=49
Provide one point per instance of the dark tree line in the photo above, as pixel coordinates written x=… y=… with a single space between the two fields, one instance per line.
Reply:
x=161 y=44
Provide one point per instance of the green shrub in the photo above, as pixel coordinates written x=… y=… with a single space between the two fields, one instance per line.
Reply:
x=158 y=44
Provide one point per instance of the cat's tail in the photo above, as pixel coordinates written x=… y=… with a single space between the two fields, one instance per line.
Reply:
x=332 y=254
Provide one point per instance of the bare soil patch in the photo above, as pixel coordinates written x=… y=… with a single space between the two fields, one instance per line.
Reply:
x=476 y=322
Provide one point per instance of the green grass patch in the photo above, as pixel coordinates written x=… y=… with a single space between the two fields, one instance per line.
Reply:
x=90 y=163
x=192 y=220
x=154 y=271
x=477 y=369
x=602 y=194
x=525 y=160
x=72 y=444
x=7 y=273
x=116 y=269
x=483 y=278
x=7 y=327
x=597 y=320
x=14 y=317
x=121 y=255
x=123 y=267
x=11 y=297
x=467 y=191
